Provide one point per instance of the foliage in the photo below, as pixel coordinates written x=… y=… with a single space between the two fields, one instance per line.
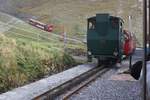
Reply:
x=22 y=62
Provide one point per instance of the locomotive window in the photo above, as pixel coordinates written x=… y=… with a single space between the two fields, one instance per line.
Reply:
x=114 y=23
x=91 y=25
x=121 y=27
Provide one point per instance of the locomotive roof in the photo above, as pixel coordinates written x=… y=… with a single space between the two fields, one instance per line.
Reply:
x=94 y=18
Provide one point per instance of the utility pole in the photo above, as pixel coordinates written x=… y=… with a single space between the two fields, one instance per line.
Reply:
x=64 y=34
x=65 y=39
x=130 y=24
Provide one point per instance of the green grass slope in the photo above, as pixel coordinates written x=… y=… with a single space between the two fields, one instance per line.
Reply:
x=28 y=54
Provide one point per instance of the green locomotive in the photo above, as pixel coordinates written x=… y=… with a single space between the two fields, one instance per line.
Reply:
x=105 y=38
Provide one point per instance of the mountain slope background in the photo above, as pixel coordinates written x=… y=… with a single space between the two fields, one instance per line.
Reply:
x=28 y=54
x=72 y=14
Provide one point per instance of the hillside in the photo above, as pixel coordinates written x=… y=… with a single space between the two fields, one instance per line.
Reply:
x=28 y=54
x=72 y=14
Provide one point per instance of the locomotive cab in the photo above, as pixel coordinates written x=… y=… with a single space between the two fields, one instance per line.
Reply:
x=105 y=38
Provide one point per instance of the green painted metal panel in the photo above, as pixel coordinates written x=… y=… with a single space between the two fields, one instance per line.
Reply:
x=102 y=21
x=101 y=45
x=102 y=18
x=105 y=38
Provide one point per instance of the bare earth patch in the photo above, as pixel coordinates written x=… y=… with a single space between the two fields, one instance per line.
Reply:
x=122 y=77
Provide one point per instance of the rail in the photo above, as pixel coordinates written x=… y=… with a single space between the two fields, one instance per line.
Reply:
x=90 y=75
x=32 y=90
x=84 y=84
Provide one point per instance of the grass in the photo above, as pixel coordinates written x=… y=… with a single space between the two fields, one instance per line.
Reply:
x=28 y=54
x=22 y=62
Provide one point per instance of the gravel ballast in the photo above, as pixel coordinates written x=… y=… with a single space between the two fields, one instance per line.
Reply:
x=114 y=84
x=110 y=90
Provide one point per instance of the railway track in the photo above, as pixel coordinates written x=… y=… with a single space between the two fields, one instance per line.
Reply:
x=73 y=85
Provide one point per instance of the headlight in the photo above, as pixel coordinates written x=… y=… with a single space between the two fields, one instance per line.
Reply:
x=89 y=53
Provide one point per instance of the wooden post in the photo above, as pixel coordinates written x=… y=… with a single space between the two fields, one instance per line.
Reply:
x=65 y=39
x=130 y=62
